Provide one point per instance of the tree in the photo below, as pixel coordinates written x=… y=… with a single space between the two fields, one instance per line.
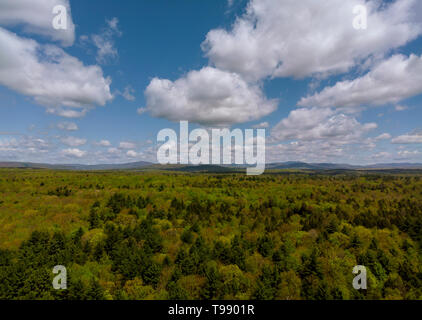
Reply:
x=95 y=291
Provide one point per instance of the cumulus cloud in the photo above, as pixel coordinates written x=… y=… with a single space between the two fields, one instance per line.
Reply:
x=68 y=126
x=371 y=143
x=24 y=148
x=381 y=155
x=73 y=153
x=104 y=143
x=67 y=112
x=208 y=97
x=306 y=151
x=408 y=154
x=127 y=145
x=52 y=77
x=384 y=136
x=25 y=142
x=391 y=81
x=320 y=124
x=73 y=141
x=412 y=138
x=302 y=38
x=279 y=39
x=44 y=149
x=132 y=154
x=36 y=17
x=261 y=125
x=317 y=135
x=113 y=150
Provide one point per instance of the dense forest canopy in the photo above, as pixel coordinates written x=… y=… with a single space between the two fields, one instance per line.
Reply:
x=154 y=235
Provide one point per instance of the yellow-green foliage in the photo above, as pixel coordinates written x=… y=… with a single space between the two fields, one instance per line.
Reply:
x=165 y=235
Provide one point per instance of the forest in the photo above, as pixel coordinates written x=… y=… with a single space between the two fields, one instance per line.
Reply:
x=133 y=235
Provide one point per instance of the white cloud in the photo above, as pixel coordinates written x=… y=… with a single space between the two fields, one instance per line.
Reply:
x=104 y=143
x=209 y=97
x=408 y=154
x=393 y=80
x=113 y=25
x=381 y=155
x=49 y=75
x=400 y=108
x=23 y=148
x=132 y=154
x=73 y=153
x=68 y=126
x=384 y=136
x=45 y=150
x=128 y=94
x=371 y=143
x=73 y=141
x=104 y=42
x=408 y=139
x=320 y=124
x=142 y=110
x=67 y=112
x=24 y=142
x=307 y=37
x=317 y=135
x=127 y=145
x=36 y=17
x=261 y=125
x=306 y=151
x=106 y=49
x=113 y=151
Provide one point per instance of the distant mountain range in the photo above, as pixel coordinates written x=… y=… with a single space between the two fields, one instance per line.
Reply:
x=333 y=166
x=209 y=168
x=30 y=165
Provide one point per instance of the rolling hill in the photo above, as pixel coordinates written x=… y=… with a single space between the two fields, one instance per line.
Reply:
x=209 y=168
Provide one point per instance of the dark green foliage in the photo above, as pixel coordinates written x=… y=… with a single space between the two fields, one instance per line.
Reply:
x=95 y=291
x=265 y=246
x=187 y=236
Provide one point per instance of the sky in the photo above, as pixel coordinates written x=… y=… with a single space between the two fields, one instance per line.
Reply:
x=325 y=85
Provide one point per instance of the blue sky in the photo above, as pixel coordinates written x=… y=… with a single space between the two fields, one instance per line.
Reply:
x=99 y=91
